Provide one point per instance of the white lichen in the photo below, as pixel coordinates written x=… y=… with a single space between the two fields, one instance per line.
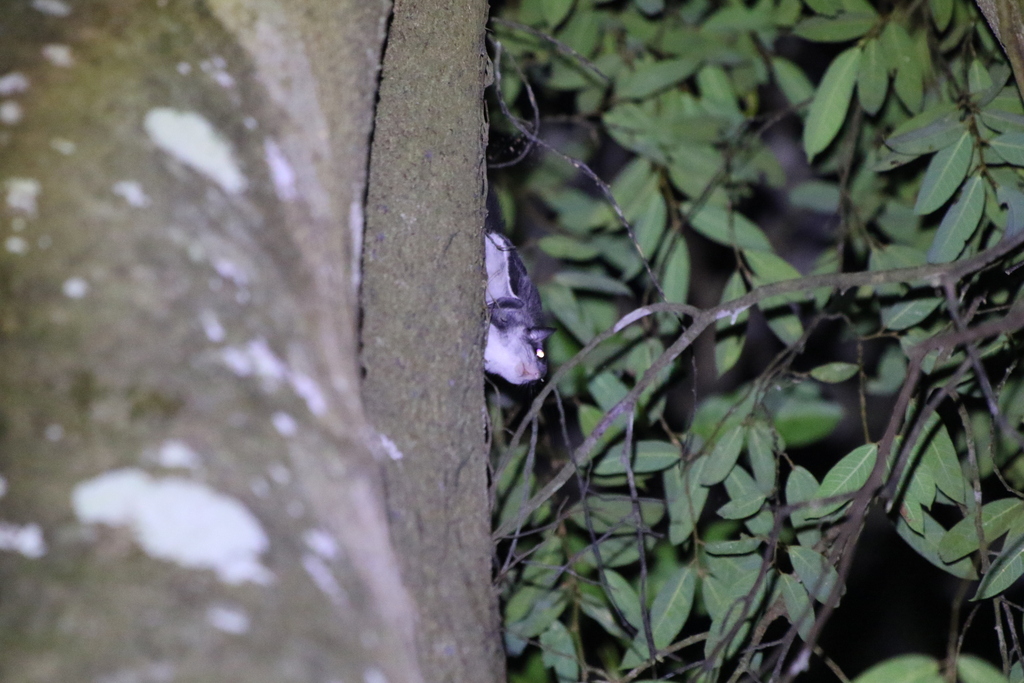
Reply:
x=16 y=245
x=63 y=146
x=390 y=448
x=131 y=191
x=25 y=539
x=58 y=55
x=228 y=618
x=256 y=358
x=212 y=328
x=192 y=140
x=178 y=520
x=279 y=474
x=10 y=112
x=216 y=69
x=231 y=271
x=13 y=83
x=355 y=228
x=309 y=391
x=53 y=432
x=281 y=172
x=23 y=195
x=323 y=578
x=75 y=287
x=55 y=8
x=321 y=543
x=174 y=453
x=284 y=423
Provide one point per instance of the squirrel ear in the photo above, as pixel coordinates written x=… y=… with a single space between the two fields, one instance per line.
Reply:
x=539 y=334
x=507 y=302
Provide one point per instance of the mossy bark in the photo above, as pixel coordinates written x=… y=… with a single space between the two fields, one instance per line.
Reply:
x=181 y=200
x=423 y=326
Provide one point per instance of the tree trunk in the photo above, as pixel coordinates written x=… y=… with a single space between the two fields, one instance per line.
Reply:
x=189 y=486
x=423 y=327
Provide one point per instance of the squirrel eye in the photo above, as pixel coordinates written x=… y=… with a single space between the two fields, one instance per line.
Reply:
x=540 y=353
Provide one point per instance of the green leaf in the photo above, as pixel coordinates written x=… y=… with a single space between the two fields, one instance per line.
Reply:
x=816 y=574
x=1010 y=147
x=1005 y=570
x=542 y=607
x=649 y=456
x=649 y=219
x=650 y=7
x=669 y=613
x=595 y=608
x=568 y=248
x=834 y=373
x=846 y=476
x=555 y=11
x=909 y=81
x=801 y=421
x=676 y=279
x=649 y=76
x=745 y=498
x=607 y=390
x=562 y=303
x=724 y=456
x=798 y=604
x=872 y=78
x=1002 y=121
x=936 y=128
x=816 y=195
x=910 y=308
x=590 y=417
x=828 y=109
x=996 y=519
x=1014 y=201
x=731 y=333
x=620 y=550
x=625 y=598
x=959 y=223
x=559 y=653
x=842 y=28
x=613 y=513
x=940 y=458
x=826 y=7
x=685 y=498
x=591 y=282
x=908 y=313
x=672 y=606
x=903 y=669
x=942 y=12
x=727 y=227
x=769 y=268
x=792 y=81
x=973 y=669
x=743 y=546
x=761 y=452
x=693 y=167
x=945 y=173
x=926 y=545
x=978 y=78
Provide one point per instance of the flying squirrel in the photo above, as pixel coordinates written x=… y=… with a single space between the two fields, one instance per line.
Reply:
x=515 y=337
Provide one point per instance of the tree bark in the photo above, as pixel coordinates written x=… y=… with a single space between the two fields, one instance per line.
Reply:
x=423 y=327
x=189 y=489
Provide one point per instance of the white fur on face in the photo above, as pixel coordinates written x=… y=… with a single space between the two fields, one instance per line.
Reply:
x=511 y=357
